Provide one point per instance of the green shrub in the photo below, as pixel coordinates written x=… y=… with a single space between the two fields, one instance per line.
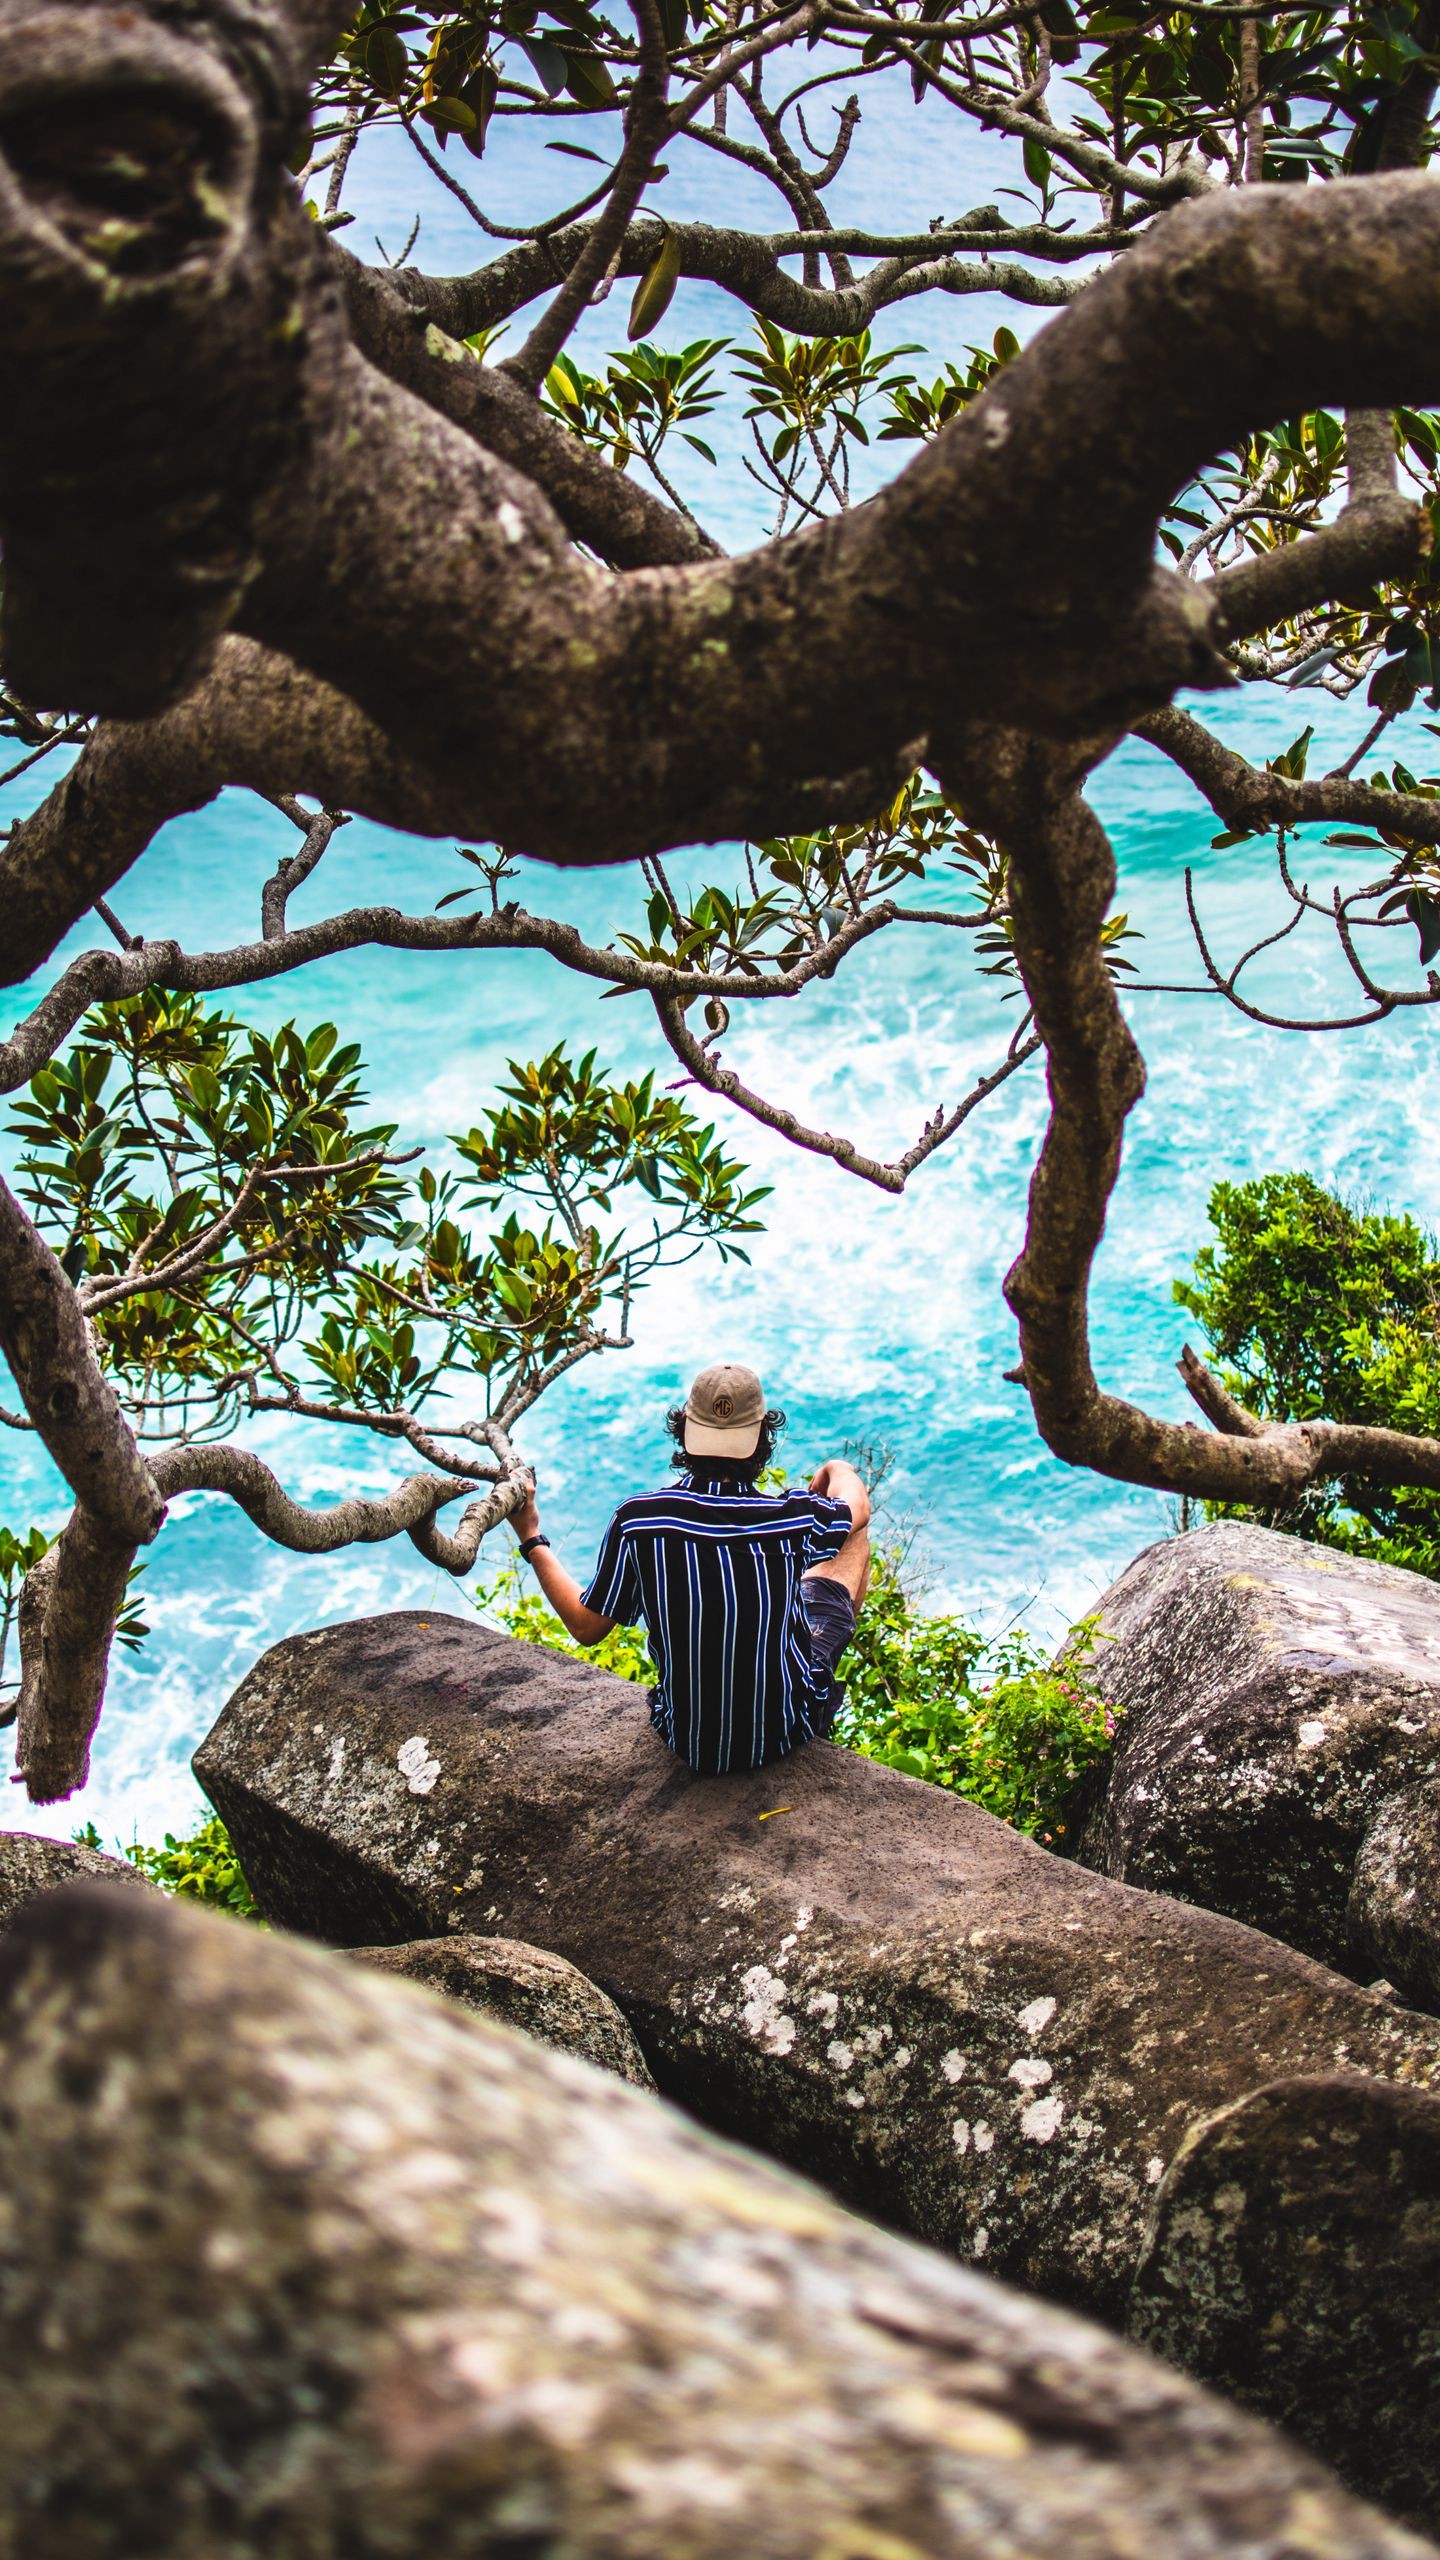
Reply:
x=202 y=1869
x=1315 y=1305
x=989 y=1718
x=928 y=1694
x=522 y=1612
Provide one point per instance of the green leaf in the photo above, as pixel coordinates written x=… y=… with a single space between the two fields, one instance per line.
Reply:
x=547 y=62
x=449 y=115
x=588 y=80
x=656 y=288
x=1425 y=916
x=1038 y=164
x=386 y=61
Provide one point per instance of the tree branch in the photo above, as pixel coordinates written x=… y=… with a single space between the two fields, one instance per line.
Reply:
x=646 y=124
x=1244 y=795
x=708 y=1071
x=749 y=266
x=219 y=1467
x=69 y=1605
x=460 y=590
x=602 y=507
x=46 y=1341
x=1062 y=878
x=105 y=977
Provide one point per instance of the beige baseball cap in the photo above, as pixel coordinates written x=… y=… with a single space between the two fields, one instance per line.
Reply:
x=723 y=1412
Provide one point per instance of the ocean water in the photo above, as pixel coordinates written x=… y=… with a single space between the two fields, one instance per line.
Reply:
x=871 y=1319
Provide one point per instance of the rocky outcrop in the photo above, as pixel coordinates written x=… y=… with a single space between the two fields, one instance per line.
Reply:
x=296 y=2261
x=1394 y=1912
x=30 y=1865
x=525 y=1987
x=1277 y=1696
x=1296 y=2259
x=972 y=2039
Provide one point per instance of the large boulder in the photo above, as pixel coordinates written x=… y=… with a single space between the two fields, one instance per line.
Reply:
x=1393 y=1918
x=525 y=1987
x=1277 y=1696
x=968 y=2037
x=297 y=2260
x=1295 y=2258
x=30 y=1865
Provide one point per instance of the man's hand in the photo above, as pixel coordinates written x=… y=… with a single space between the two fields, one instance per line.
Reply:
x=840 y=1482
x=525 y=1519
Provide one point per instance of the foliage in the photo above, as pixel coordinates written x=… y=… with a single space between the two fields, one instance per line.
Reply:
x=201 y=1868
x=521 y=1611
x=241 y=1240
x=920 y=409
x=640 y=398
x=989 y=1718
x=1317 y=1305
x=805 y=399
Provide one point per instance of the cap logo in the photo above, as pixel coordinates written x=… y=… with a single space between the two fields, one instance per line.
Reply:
x=723 y=1408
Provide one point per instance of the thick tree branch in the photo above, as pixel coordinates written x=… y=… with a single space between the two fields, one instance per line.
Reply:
x=1379 y=534
x=584 y=717
x=462 y=601
x=46 y=1342
x=69 y=1606
x=455 y=1551
x=1062 y=878
x=255 y=720
x=1244 y=795
x=749 y=266
x=217 y=1467
x=602 y=507
x=135 y=320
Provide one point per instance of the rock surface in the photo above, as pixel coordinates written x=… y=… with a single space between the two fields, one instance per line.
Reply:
x=1276 y=1696
x=30 y=1865
x=525 y=1987
x=972 y=2039
x=1321 y=2196
x=1394 y=1914
x=296 y=2262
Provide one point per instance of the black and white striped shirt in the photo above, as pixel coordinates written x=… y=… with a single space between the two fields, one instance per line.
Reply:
x=714 y=1574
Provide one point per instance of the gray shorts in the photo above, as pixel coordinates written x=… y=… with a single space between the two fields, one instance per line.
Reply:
x=831 y=1614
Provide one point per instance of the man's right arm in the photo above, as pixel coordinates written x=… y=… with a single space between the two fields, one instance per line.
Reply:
x=559 y=1587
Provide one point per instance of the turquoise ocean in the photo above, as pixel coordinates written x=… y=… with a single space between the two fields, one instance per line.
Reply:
x=871 y=1319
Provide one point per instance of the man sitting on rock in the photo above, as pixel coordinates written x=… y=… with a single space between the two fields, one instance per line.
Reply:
x=748 y=1598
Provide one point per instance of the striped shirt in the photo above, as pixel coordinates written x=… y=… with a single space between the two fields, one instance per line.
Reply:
x=714 y=1574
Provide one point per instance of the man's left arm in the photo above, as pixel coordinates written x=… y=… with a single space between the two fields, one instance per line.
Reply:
x=560 y=1588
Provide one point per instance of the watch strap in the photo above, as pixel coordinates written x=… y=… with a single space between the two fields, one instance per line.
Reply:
x=529 y=1545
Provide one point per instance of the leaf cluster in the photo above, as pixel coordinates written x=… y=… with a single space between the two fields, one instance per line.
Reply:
x=1314 y=1305
x=643 y=396
x=201 y=1868
x=240 y=1237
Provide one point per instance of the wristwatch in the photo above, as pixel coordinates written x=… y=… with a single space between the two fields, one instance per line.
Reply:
x=529 y=1545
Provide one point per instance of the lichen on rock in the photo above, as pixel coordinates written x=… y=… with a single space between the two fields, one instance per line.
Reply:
x=1278 y=1696
x=972 y=2039
x=296 y=2261
x=31 y=1865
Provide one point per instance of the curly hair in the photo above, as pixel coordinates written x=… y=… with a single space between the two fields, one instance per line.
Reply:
x=733 y=1470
